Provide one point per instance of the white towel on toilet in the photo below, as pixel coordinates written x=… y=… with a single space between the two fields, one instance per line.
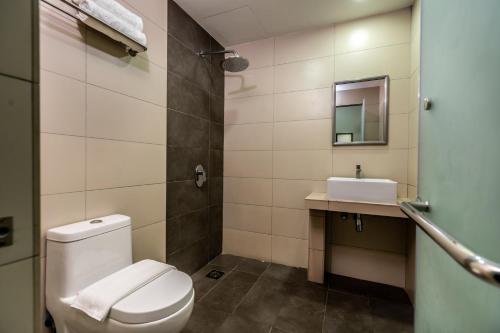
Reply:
x=97 y=299
x=119 y=23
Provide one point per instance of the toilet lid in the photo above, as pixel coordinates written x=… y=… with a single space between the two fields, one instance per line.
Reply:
x=157 y=300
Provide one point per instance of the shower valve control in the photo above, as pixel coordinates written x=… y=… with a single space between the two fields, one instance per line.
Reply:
x=6 y=231
x=200 y=176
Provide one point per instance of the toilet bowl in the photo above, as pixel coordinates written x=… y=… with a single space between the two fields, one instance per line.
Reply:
x=83 y=253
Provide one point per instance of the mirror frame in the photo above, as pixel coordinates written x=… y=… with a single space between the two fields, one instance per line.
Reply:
x=385 y=139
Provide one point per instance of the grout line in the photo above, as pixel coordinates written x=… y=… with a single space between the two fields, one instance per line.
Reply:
x=85 y=128
x=192 y=115
x=324 y=314
x=100 y=138
x=272 y=235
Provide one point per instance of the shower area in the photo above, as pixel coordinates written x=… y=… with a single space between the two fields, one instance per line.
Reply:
x=195 y=139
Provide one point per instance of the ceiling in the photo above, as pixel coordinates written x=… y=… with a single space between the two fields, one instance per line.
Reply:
x=237 y=21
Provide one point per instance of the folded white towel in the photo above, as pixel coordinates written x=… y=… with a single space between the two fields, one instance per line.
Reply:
x=91 y=7
x=97 y=299
x=119 y=11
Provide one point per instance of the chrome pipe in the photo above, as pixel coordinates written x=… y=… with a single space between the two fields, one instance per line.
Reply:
x=478 y=266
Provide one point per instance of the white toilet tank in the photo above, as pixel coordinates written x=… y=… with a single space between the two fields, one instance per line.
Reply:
x=82 y=253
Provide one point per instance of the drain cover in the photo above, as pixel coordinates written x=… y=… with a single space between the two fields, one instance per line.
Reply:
x=215 y=274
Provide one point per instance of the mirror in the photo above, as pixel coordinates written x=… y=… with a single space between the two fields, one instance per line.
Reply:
x=360 y=115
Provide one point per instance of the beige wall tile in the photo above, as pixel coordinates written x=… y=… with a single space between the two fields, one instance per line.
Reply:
x=304 y=75
x=289 y=251
x=303 y=135
x=117 y=164
x=246 y=244
x=292 y=223
x=399 y=96
x=62 y=165
x=260 y=53
x=247 y=218
x=58 y=210
x=413 y=129
x=256 y=109
x=254 y=191
x=402 y=190
x=376 y=163
x=108 y=67
x=291 y=193
x=155 y=10
x=157 y=44
x=413 y=166
x=304 y=45
x=149 y=242
x=398 y=131
x=144 y=204
x=300 y=164
x=376 y=266
x=412 y=192
x=303 y=105
x=62 y=104
x=62 y=43
x=375 y=31
x=248 y=137
x=391 y=60
x=116 y=116
x=256 y=164
x=414 y=91
x=248 y=83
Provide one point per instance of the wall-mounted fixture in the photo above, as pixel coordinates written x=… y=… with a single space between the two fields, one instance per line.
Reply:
x=358 y=222
x=6 y=231
x=131 y=46
x=200 y=176
x=233 y=63
x=360 y=112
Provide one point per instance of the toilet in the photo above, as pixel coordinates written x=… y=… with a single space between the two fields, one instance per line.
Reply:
x=83 y=253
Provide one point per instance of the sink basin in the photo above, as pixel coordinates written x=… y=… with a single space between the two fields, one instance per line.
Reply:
x=383 y=191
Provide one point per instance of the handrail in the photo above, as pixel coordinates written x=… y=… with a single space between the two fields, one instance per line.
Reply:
x=478 y=266
x=132 y=46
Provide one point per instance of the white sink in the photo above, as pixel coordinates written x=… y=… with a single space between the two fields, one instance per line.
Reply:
x=383 y=191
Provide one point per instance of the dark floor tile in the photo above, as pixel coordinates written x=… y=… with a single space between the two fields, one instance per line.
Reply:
x=184 y=197
x=202 y=283
x=238 y=324
x=182 y=161
x=216 y=163
x=186 y=63
x=391 y=311
x=277 y=330
x=264 y=301
x=187 y=131
x=304 y=310
x=184 y=28
x=347 y=313
x=190 y=259
x=288 y=274
x=252 y=266
x=216 y=136
x=229 y=292
x=216 y=190
x=204 y=320
x=187 y=97
x=227 y=261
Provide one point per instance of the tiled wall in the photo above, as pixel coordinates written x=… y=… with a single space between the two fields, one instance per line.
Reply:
x=195 y=136
x=18 y=167
x=103 y=124
x=277 y=142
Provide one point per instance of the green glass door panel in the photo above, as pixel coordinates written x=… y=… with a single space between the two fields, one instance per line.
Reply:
x=459 y=168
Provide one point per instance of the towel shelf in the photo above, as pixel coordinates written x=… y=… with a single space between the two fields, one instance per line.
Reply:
x=132 y=47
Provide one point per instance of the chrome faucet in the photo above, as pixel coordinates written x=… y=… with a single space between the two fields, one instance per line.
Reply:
x=358 y=171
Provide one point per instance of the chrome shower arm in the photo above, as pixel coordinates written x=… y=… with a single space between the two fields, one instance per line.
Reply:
x=206 y=53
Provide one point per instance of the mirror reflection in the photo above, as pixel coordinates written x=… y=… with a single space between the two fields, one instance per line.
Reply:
x=360 y=113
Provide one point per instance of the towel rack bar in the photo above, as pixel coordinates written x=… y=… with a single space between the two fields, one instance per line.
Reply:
x=478 y=266
x=131 y=45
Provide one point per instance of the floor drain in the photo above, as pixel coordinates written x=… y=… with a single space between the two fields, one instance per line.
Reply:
x=215 y=274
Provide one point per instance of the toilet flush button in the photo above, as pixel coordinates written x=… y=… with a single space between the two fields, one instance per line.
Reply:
x=95 y=221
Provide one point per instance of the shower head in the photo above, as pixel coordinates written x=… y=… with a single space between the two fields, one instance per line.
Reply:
x=233 y=63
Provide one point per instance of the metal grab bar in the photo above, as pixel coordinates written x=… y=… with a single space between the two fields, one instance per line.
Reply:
x=478 y=266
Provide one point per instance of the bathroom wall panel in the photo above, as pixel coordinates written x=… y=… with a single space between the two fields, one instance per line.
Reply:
x=296 y=127
x=195 y=136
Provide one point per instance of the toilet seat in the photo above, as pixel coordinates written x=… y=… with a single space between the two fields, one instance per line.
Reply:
x=158 y=299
